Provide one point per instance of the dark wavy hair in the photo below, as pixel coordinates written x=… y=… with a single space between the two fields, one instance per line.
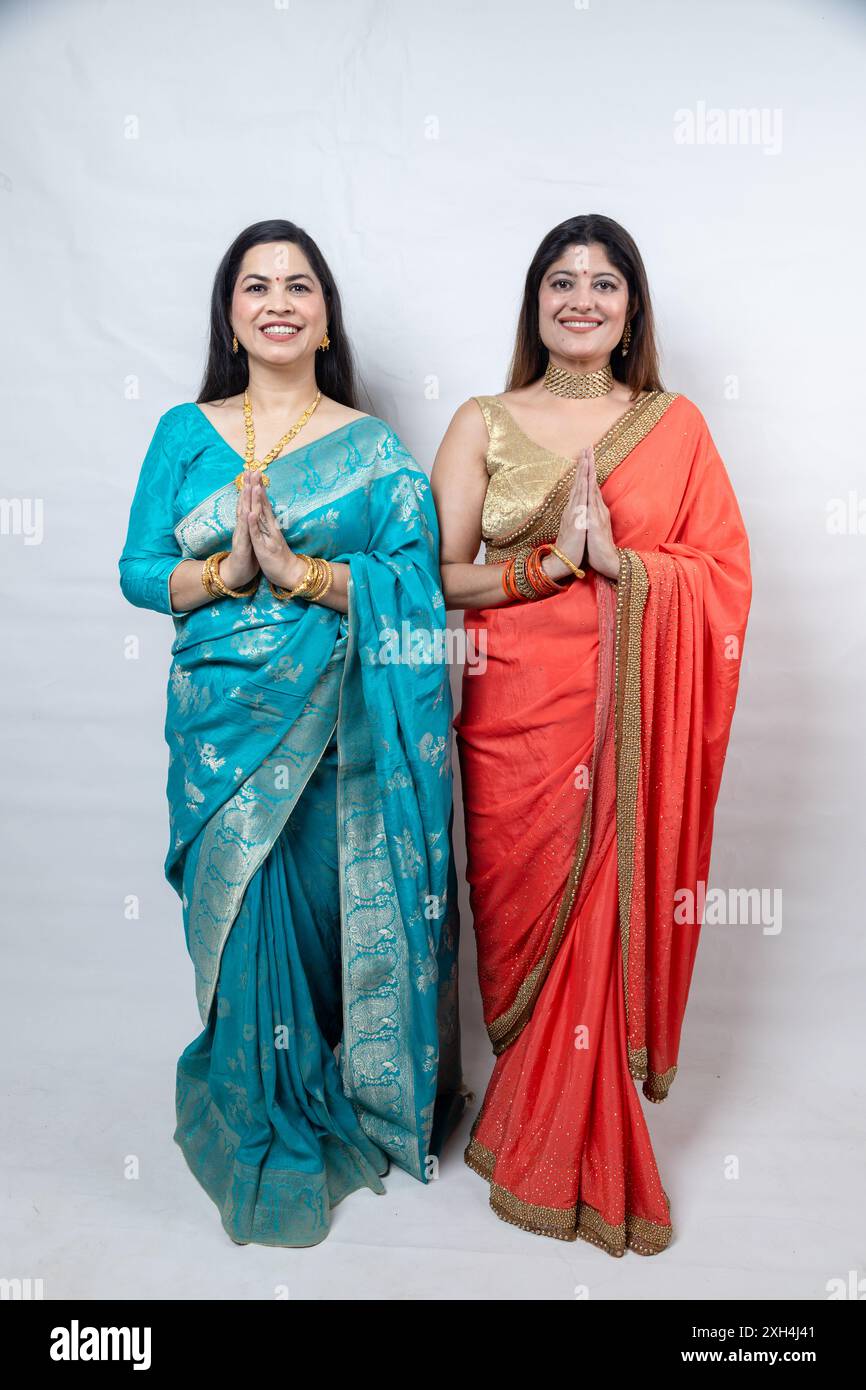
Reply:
x=226 y=372
x=640 y=369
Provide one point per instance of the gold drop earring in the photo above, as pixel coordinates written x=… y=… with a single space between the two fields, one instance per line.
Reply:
x=626 y=339
x=325 y=343
x=234 y=342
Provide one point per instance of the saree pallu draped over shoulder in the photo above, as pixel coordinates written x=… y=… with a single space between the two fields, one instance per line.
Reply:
x=310 y=804
x=591 y=747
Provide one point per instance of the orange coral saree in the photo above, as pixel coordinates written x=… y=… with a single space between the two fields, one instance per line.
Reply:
x=591 y=745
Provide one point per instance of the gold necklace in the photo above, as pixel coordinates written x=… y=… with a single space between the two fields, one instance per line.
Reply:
x=578 y=385
x=250 y=464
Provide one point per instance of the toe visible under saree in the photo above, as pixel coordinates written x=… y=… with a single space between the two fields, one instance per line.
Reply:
x=310 y=802
x=592 y=736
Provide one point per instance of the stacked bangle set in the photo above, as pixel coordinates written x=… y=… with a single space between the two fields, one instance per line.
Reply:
x=317 y=580
x=523 y=577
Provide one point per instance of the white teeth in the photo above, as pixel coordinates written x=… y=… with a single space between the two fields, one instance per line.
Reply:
x=278 y=331
x=580 y=323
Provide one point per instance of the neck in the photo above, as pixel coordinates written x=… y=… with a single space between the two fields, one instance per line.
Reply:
x=277 y=389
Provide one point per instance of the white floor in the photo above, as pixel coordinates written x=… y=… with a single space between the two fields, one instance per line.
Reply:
x=89 y=1081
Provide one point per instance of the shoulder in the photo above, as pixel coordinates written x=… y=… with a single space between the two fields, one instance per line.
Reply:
x=348 y=416
x=471 y=420
x=672 y=411
x=169 y=436
x=174 y=422
x=685 y=408
x=336 y=416
x=692 y=434
x=367 y=425
x=381 y=442
x=363 y=431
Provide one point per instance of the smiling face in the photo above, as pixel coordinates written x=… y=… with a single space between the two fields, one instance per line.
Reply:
x=278 y=309
x=582 y=304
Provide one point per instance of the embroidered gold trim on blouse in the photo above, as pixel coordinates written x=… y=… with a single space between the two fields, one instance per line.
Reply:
x=521 y=507
x=568 y=1223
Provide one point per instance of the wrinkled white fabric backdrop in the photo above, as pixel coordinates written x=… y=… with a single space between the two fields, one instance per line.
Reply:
x=428 y=148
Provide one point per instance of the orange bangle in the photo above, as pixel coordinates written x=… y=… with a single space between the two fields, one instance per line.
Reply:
x=531 y=575
x=547 y=549
x=538 y=577
x=508 y=582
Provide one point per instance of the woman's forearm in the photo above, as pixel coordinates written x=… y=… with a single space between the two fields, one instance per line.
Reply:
x=185 y=586
x=473 y=586
x=480 y=586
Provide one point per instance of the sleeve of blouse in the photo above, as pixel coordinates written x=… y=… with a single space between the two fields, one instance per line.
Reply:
x=151 y=551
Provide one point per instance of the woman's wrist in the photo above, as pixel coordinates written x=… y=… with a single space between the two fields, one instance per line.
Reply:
x=555 y=568
x=230 y=576
x=615 y=568
x=292 y=572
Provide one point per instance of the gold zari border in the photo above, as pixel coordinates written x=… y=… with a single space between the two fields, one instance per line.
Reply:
x=632 y=590
x=568 y=1223
x=657 y=1084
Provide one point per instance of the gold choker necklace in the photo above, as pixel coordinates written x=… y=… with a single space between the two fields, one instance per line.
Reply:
x=578 y=385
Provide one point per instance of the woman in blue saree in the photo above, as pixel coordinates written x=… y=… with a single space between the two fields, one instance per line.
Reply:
x=309 y=774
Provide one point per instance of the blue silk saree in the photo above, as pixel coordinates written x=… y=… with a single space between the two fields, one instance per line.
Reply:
x=310 y=813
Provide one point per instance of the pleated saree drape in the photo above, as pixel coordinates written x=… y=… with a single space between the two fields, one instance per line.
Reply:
x=591 y=742
x=310 y=804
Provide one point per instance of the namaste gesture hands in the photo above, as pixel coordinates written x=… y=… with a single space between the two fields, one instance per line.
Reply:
x=585 y=525
x=258 y=542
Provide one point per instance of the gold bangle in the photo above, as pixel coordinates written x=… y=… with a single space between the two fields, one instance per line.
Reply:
x=207 y=574
x=309 y=578
x=279 y=592
x=235 y=593
x=317 y=583
x=317 y=580
x=575 y=569
x=329 y=579
x=210 y=577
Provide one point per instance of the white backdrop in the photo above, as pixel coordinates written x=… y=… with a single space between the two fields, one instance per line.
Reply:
x=428 y=148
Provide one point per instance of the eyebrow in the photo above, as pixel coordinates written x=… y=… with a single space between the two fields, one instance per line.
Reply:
x=302 y=275
x=574 y=272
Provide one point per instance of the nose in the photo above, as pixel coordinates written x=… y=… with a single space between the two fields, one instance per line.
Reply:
x=281 y=300
x=581 y=298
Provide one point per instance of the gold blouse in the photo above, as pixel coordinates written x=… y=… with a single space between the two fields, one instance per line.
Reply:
x=528 y=486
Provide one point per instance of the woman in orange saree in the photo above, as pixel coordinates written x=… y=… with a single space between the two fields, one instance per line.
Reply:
x=595 y=718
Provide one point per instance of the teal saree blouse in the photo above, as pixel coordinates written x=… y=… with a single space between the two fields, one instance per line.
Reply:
x=310 y=828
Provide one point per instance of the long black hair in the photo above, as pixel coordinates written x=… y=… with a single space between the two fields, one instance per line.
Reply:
x=640 y=369
x=226 y=372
